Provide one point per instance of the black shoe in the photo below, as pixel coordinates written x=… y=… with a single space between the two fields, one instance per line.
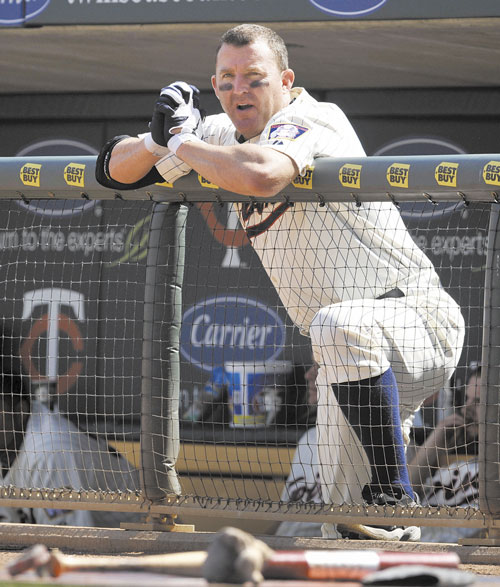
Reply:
x=391 y=496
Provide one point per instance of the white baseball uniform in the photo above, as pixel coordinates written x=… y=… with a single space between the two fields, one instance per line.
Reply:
x=329 y=265
x=55 y=454
x=454 y=485
x=303 y=484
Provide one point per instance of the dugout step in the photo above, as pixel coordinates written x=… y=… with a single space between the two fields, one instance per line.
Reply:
x=488 y=537
x=158 y=523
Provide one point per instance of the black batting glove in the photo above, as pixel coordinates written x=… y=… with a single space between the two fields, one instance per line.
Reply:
x=176 y=112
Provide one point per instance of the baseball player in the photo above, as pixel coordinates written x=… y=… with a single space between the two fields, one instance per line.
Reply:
x=384 y=332
x=445 y=468
x=303 y=483
x=41 y=449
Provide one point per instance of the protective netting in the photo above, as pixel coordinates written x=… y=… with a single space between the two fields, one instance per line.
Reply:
x=72 y=291
x=72 y=295
x=249 y=395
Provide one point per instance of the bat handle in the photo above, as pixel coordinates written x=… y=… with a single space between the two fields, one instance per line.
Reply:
x=180 y=563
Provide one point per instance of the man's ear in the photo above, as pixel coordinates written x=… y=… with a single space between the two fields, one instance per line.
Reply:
x=214 y=86
x=287 y=78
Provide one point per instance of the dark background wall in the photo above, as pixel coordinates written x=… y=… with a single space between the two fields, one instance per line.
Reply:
x=469 y=117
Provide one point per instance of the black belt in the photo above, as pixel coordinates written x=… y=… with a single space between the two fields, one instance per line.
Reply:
x=393 y=293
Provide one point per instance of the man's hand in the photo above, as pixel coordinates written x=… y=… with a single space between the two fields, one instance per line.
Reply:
x=176 y=111
x=449 y=435
x=188 y=114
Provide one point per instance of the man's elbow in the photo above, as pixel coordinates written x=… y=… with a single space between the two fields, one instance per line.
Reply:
x=265 y=185
x=109 y=175
x=115 y=171
x=105 y=171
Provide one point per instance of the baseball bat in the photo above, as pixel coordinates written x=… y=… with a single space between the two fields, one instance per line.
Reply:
x=348 y=564
x=299 y=564
x=54 y=563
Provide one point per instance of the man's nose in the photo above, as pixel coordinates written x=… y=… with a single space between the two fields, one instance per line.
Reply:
x=240 y=85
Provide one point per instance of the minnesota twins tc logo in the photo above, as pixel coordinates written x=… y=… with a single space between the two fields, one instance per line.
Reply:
x=48 y=328
x=230 y=234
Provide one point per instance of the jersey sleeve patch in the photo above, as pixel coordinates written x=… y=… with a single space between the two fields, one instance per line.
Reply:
x=286 y=131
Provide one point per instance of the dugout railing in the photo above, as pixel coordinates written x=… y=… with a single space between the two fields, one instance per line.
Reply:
x=465 y=182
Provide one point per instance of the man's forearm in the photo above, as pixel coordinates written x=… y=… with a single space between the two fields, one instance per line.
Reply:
x=130 y=160
x=244 y=169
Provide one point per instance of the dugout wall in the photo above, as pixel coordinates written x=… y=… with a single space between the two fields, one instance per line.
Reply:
x=245 y=479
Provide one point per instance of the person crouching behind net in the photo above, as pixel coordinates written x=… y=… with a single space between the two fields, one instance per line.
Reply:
x=41 y=449
x=445 y=468
x=303 y=483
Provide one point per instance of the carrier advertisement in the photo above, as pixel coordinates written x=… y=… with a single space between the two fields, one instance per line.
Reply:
x=47 y=12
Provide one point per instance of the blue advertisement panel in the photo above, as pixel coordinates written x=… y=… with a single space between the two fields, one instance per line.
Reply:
x=46 y=12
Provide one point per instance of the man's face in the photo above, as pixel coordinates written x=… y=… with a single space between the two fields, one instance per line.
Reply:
x=250 y=86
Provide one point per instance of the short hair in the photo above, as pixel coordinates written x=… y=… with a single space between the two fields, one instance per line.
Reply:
x=246 y=34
